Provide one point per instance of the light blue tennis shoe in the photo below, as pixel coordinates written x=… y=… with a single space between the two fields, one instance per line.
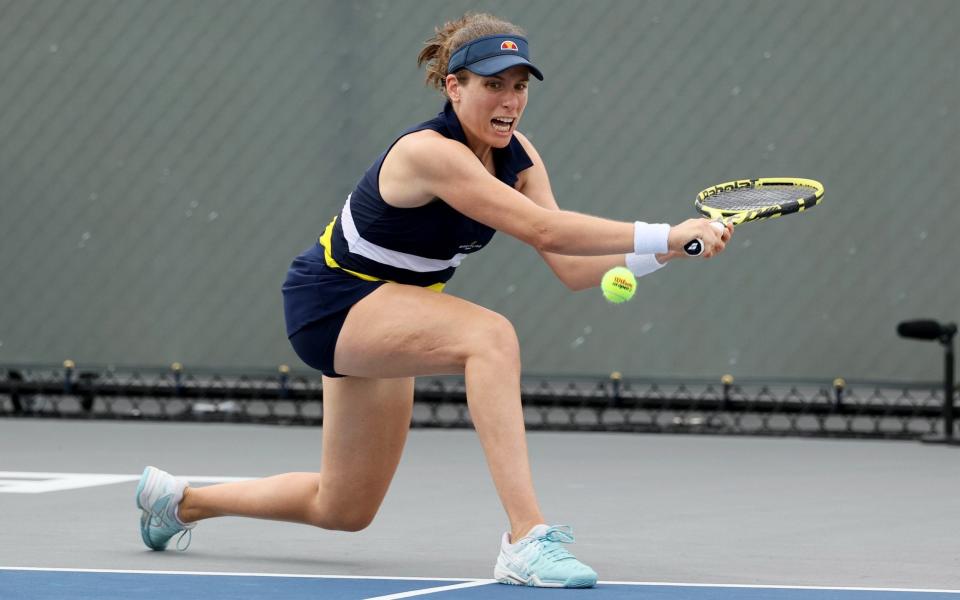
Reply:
x=158 y=496
x=540 y=560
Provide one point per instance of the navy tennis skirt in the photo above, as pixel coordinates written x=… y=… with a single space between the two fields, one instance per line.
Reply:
x=316 y=300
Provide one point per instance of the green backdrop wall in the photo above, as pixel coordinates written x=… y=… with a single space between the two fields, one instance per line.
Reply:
x=162 y=161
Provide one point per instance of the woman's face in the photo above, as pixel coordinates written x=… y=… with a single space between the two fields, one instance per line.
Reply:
x=489 y=107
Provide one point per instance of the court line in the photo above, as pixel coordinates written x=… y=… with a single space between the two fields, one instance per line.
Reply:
x=135 y=476
x=481 y=581
x=434 y=590
x=17 y=482
x=781 y=587
x=229 y=574
x=39 y=482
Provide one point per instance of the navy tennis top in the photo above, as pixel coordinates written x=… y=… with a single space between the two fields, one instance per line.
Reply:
x=371 y=241
x=416 y=246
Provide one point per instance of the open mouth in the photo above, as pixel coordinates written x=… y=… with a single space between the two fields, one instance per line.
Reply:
x=502 y=124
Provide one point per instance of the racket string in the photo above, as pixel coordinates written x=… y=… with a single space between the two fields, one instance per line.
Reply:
x=751 y=198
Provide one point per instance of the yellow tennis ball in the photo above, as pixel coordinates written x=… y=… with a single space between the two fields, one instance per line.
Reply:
x=618 y=285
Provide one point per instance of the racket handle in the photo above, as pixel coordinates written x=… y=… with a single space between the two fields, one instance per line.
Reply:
x=695 y=247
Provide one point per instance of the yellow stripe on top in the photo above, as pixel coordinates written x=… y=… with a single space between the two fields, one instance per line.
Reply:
x=332 y=263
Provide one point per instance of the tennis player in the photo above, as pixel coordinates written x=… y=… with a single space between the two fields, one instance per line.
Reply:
x=363 y=307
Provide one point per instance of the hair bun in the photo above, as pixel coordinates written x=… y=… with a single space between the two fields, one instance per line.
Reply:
x=451 y=35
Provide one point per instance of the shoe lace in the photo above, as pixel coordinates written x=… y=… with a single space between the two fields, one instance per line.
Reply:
x=157 y=520
x=551 y=542
x=186 y=533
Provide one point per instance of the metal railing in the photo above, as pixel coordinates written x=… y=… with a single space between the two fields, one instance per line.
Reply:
x=728 y=406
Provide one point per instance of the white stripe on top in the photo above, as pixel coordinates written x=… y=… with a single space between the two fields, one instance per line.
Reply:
x=385 y=256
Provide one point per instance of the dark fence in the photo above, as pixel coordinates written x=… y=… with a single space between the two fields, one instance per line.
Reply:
x=725 y=406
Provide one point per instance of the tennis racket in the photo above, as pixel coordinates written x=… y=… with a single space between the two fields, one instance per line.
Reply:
x=746 y=200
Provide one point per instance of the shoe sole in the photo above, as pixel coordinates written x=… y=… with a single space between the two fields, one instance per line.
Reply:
x=144 y=531
x=511 y=578
x=147 y=479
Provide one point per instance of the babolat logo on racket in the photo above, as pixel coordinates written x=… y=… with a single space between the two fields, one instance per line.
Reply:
x=729 y=187
x=509 y=45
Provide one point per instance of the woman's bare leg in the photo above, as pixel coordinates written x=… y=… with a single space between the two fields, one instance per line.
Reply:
x=393 y=334
x=365 y=423
x=403 y=330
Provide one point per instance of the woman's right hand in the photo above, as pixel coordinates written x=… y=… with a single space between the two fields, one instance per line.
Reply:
x=714 y=238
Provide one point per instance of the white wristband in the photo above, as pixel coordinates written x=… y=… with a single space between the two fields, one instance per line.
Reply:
x=650 y=238
x=643 y=264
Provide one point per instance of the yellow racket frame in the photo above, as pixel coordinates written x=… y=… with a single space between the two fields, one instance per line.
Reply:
x=772 y=211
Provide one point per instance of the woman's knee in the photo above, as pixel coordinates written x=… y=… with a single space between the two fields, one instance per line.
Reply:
x=495 y=338
x=345 y=519
x=353 y=522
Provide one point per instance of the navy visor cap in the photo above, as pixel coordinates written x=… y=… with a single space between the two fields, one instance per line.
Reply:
x=490 y=54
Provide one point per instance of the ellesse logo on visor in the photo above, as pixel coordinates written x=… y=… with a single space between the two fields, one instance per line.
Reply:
x=509 y=45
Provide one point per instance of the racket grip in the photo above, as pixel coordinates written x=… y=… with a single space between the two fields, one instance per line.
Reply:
x=695 y=246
